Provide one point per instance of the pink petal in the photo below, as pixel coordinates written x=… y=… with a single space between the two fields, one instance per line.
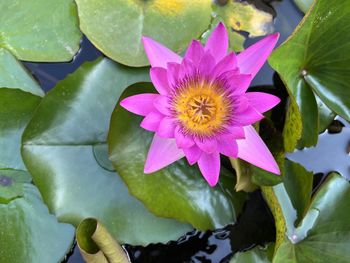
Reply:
x=247 y=117
x=192 y=154
x=182 y=141
x=253 y=150
x=209 y=165
x=207 y=145
x=162 y=153
x=253 y=58
x=227 y=145
x=217 y=42
x=159 y=79
x=151 y=121
x=237 y=83
x=262 y=101
x=162 y=104
x=236 y=132
x=187 y=69
x=228 y=63
x=173 y=74
x=159 y=55
x=206 y=64
x=195 y=52
x=166 y=128
x=141 y=104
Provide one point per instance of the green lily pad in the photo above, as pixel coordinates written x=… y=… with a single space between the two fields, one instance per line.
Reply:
x=324 y=233
x=16 y=109
x=318 y=58
x=289 y=200
x=28 y=232
x=40 y=30
x=14 y=75
x=243 y=16
x=11 y=184
x=256 y=255
x=293 y=126
x=116 y=27
x=59 y=151
x=177 y=191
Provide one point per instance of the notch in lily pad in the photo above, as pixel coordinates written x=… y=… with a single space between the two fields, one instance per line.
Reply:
x=11 y=184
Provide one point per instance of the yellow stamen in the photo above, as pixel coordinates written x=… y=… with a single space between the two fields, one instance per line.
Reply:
x=202 y=107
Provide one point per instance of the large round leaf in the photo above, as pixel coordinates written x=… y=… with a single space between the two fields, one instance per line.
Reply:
x=324 y=233
x=59 y=151
x=116 y=26
x=40 y=30
x=14 y=75
x=28 y=232
x=318 y=64
x=177 y=191
x=16 y=109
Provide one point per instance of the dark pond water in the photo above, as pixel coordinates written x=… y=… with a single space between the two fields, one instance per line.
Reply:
x=255 y=225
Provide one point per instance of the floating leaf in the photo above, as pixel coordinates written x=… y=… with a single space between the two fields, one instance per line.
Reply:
x=288 y=200
x=28 y=232
x=324 y=233
x=16 y=109
x=318 y=59
x=40 y=30
x=59 y=149
x=255 y=255
x=14 y=75
x=243 y=16
x=293 y=126
x=97 y=245
x=116 y=27
x=177 y=191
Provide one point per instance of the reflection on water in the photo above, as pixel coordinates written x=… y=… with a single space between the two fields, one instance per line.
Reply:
x=330 y=154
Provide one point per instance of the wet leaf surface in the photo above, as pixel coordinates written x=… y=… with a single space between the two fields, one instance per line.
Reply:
x=314 y=68
x=177 y=191
x=58 y=149
x=14 y=75
x=323 y=235
x=40 y=30
x=16 y=109
x=116 y=27
x=29 y=233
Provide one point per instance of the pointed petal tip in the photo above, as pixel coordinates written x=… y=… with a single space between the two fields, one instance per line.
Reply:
x=148 y=170
x=158 y=54
x=217 y=42
x=212 y=183
x=209 y=165
x=221 y=26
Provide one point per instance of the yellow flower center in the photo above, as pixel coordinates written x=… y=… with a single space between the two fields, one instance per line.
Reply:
x=201 y=107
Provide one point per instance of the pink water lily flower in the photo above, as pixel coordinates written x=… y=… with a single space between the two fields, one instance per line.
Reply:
x=202 y=108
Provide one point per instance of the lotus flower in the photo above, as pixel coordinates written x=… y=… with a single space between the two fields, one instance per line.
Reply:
x=202 y=108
